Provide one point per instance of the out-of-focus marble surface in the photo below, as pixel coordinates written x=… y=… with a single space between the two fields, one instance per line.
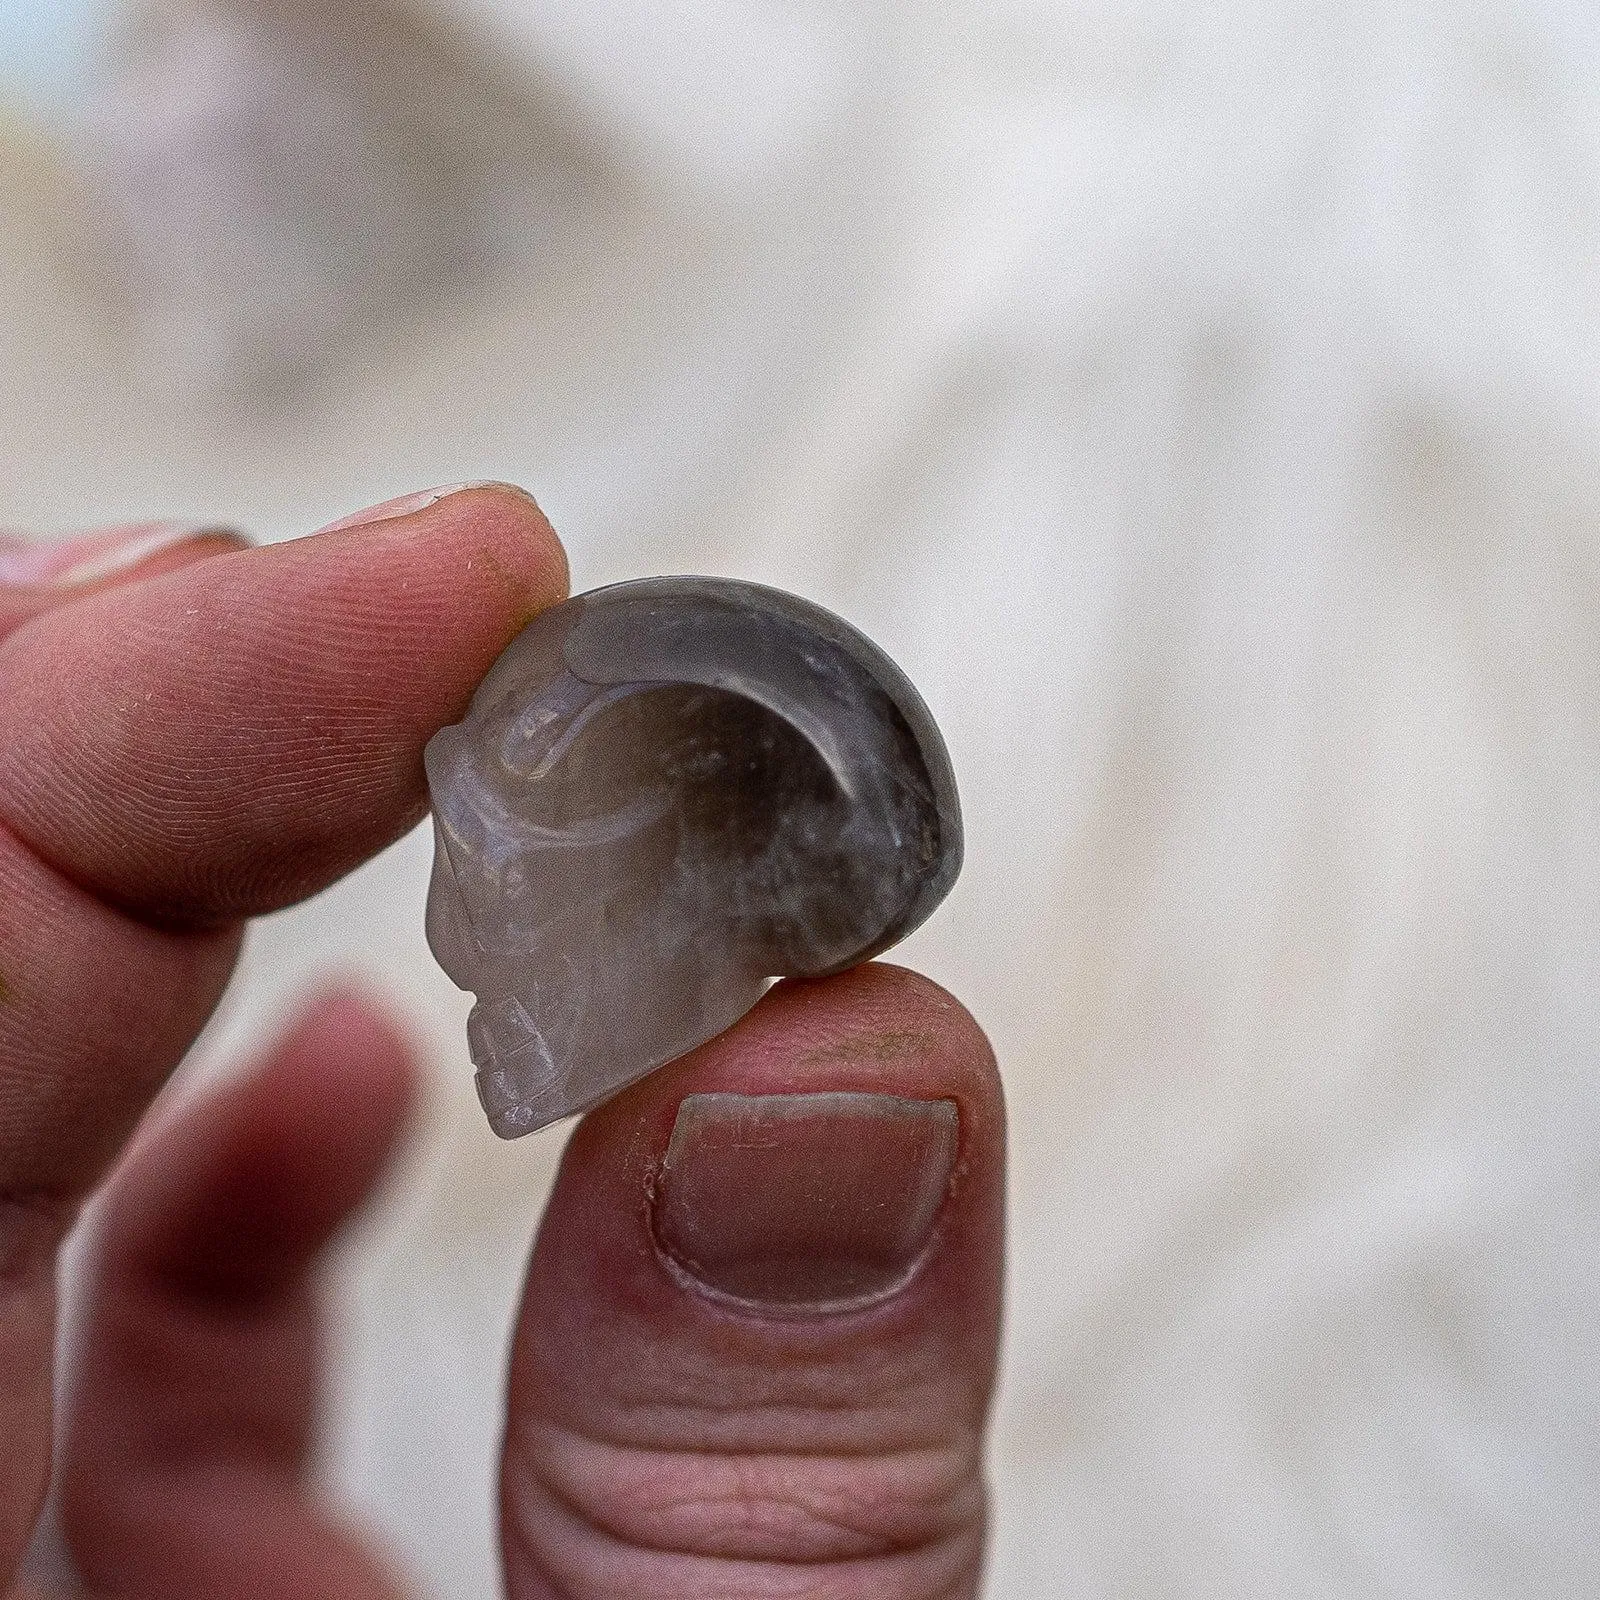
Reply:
x=1200 y=404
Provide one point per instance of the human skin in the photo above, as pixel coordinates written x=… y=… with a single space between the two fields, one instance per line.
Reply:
x=209 y=732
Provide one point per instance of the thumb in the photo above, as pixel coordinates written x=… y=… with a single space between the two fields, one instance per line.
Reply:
x=758 y=1338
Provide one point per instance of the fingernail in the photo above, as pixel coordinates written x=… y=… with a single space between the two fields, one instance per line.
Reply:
x=804 y=1202
x=408 y=504
x=96 y=556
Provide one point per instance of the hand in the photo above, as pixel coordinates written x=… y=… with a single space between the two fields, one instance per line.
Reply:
x=757 y=1343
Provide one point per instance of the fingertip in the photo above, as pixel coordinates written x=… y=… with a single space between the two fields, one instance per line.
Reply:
x=844 y=1081
x=884 y=1017
x=515 y=540
x=875 y=1029
x=340 y=1086
x=500 y=529
x=347 y=1026
x=855 y=1121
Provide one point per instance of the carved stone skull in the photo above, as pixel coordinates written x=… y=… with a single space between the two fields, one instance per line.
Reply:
x=664 y=795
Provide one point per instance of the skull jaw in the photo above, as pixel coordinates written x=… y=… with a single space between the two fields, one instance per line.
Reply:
x=532 y=1071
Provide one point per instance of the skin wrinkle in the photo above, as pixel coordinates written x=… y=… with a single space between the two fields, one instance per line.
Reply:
x=558 y=1542
x=914 y=1496
x=154 y=809
x=801 y=1358
x=884 y=1424
x=723 y=1529
x=817 y=1347
x=667 y=1417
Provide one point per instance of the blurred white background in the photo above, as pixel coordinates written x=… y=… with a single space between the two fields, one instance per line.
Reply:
x=1203 y=405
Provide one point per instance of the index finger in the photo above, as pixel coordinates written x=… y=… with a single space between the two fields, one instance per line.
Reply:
x=176 y=755
x=230 y=738
x=204 y=746
x=214 y=743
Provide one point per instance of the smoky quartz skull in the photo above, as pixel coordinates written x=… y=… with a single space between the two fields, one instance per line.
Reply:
x=666 y=794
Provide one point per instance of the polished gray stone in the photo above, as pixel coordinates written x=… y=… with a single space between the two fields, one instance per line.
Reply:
x=664 y=795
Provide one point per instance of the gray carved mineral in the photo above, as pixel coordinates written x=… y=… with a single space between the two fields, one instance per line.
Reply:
x=666 y=794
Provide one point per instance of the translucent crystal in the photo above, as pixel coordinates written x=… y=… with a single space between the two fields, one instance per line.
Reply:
x=664 y=795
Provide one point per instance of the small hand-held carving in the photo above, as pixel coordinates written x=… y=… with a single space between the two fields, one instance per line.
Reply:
x=665 y=794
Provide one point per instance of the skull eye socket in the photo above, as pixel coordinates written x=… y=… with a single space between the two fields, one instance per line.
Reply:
x=751 y=830
x=732 y=766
